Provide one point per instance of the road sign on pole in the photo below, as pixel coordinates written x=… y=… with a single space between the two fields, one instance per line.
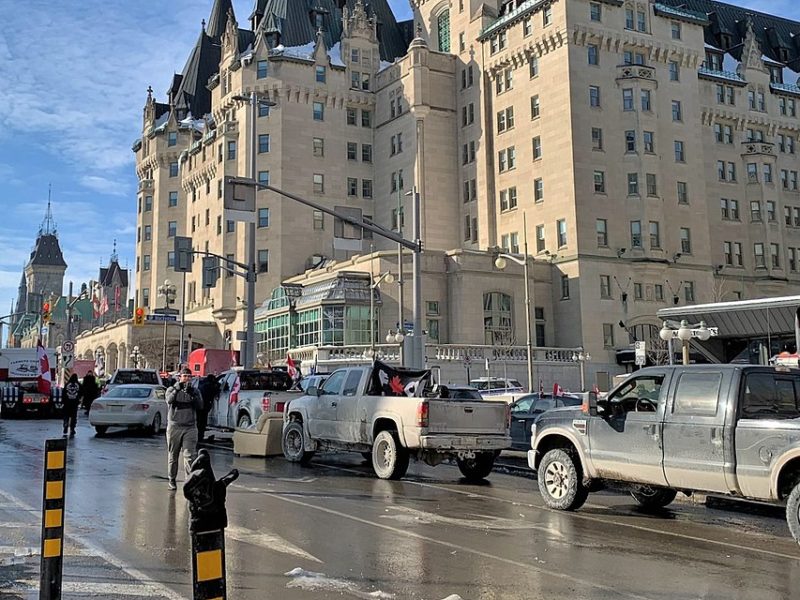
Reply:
x=68 y=347
x=641 y=353
x=170 y=318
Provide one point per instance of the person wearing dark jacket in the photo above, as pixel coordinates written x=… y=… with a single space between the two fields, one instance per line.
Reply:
x=89 y=390
x=72 y=399
x=209 y=389
x=184 y=403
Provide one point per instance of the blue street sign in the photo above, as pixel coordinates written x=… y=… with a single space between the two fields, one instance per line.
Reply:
x=161 y=318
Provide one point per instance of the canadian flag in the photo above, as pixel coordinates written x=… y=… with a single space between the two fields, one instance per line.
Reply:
x=44 y=382
x=558 y=391
x=595 y=389
x=290 y=367
x=234 y=397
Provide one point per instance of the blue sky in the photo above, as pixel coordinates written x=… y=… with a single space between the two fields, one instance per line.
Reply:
x=75 y=77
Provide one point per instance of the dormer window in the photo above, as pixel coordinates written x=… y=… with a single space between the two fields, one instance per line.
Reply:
x=725 y=41
x=714 y=61
x=317 y=19
x=775 y=75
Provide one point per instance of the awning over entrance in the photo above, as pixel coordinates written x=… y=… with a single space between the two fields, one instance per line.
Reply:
x=743 y=318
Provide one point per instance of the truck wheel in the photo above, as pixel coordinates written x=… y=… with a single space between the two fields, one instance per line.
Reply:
x=293 y=444
x=244 y=421
x=793 y=512
x=653 y=497
x=101 y=430
x=155 y=427
x=475 y=469
x=560 y=481
x=389 y=458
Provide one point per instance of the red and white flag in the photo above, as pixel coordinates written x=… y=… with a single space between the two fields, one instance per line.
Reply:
x=234 y=397
x=44 y=381
x=103 y=305
x=558 y=391
x=290 y=367
x=596 y=389
x=117 y=292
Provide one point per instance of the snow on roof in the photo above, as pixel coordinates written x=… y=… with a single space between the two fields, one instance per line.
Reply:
x=770 y=61
x=335 y=54
x=730 y=64
x=790 y=76
x=306 y=51
x=710 y=47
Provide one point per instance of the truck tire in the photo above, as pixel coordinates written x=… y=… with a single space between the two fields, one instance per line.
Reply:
x=293 y=444
x=793 y=512
x=389 y=458
x=653 y=497
x=560 y=481
x=478 y=468
x=244 y=421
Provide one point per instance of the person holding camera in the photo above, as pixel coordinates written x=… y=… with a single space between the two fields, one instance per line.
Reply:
x=184 y=402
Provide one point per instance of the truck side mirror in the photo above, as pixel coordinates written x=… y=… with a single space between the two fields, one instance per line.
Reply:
x=313 y=390
x=589 y=406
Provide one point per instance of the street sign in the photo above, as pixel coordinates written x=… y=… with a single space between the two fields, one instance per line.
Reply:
x=641 y=353
x=169 y=318
x=166 y=311
x=67 y=360
x=68 y=347
x=45 y=329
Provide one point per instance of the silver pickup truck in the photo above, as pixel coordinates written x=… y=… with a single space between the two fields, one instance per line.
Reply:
x=387 y=415
x=721 y=429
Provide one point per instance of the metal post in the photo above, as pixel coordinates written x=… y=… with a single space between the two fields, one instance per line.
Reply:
x=52 y=549
x=249 y=358
x=372 y=300
x=69 y=315
x=529 y=342
x=671 y=351
x=400 y=299
x=164 y=346
x=181 y=357
x=685 y=349
x=583 y=373
x=417 y=343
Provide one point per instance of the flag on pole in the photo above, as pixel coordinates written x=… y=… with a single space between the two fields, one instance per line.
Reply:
x=290 y=367
x=234 y=397
x=117 y=293
x=558 y=391
x=103 y=305
x=44 y=381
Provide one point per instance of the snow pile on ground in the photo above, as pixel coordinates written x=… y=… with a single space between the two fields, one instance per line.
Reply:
x=310 y=581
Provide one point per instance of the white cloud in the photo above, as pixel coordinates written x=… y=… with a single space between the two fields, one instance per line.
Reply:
x=105 y=185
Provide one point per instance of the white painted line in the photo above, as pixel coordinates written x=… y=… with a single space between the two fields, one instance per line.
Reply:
x=267 y=541
x=585 y=517
x=155 y=587
x=545 y=572
x=96 y=588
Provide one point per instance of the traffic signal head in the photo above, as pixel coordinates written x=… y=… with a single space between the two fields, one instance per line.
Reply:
x=138 y=316
x=46 y=307
x=46 y=312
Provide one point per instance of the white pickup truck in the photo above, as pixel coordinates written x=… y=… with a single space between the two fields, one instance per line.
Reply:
x=391 y=415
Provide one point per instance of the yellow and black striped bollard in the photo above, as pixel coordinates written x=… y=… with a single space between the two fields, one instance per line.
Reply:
x=55 y=476
x=208 y=565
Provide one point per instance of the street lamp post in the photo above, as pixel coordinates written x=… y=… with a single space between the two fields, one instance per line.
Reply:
x=684 y=333
x=500 y=262
x=168 y=290
x=582 y=358
x=135 y=356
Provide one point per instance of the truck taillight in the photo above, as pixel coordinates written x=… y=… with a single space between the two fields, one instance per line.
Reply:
x=422 y=414
x=266 y=401
x=280 y=407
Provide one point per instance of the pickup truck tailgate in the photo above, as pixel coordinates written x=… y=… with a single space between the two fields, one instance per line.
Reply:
x=467 y=417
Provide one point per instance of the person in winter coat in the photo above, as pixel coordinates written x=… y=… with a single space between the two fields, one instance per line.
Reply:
x=184 y=403
x=72 y=399
x=208 y=391
x=89 y=390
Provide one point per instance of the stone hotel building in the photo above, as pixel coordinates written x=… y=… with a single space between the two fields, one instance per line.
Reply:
x=650 y=147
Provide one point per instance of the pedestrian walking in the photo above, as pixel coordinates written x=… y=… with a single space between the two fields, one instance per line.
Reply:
x=184 y=403
x=209 y=388
x=72 y=399
x=89 y=390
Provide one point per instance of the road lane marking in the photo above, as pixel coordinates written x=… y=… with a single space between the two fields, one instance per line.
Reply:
x=585 y=517
x=450 y=545
x=100 y=589
x=153 y=586
x=268 y=541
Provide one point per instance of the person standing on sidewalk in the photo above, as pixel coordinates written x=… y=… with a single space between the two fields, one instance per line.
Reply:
x=184 y=403
x=89 y=390
x=72 y=399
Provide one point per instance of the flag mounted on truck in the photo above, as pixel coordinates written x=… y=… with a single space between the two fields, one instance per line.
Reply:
x=394 y=381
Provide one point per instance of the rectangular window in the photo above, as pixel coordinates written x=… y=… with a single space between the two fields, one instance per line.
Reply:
x=677 y=111
x=601 y=226
x=537 y=148
x=655 y=234
x=758 y=254
x=320 y=74
x=263 y=261
x=731 y=171
x=261 y=69
x=594 y=96
x=593 y=54
x=263 y=217
x=535 y=109
x=318 y=220
x=263 y=177
x=172 y=138
x=641 y=21
x=352 y=150
x=775 y=255
x=172 y=229
x=366 y=153
x=627 y=99
x=561 y=229
x=630 y=141
x=547 y=15
x=599 y=182
x=680 y=155
x=230 y=226
x=608 y=335
x=319 y=183
x=595 y=12
x=683 y=192
x=171 y=202
x=173 y=169
x=658 y=289
x=766 y=171
x=646 y=102
x=755 y=211
x=793 y=259
x=674 y=71
x=649 y=139
x=148 y=233
x=633 y=184
x=636 y=234
x=688 y=291
x=540 y=238
x=637 y=291
x=467 y=228
x=686 y=240
x=351 y=116
x=605 y=286
x=629 y=21
x=752 y=172
x=352 y=186
x=263 y=109
x=565 y=287
x=146 y=262
x=538 y=190
x=319 y=111
x=533 y=66
x=597 y=138
x=676 y=30
x=263 y=143
x=318 y=147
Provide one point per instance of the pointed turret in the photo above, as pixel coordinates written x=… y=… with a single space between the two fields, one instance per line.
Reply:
x=192 y=95
x=218 y=21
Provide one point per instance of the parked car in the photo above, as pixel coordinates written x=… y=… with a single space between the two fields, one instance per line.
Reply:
x=131 y=406
x=133 y=376
x=721 y=429
x=391 y=415
x=527 y=410
x=495 y=385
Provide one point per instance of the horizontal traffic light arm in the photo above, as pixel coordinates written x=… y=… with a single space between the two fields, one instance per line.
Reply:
x=225 y=260
x=369 y=226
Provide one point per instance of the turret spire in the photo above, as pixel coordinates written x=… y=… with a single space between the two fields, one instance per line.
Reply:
x=48 y=226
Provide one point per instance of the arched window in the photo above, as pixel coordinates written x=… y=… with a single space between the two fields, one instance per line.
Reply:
x=497 y=322
x=443 y=31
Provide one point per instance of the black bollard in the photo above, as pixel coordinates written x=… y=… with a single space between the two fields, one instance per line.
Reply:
x=208 y=519
x=55 y=475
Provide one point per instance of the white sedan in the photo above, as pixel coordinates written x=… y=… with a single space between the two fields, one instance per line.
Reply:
x=130 y=405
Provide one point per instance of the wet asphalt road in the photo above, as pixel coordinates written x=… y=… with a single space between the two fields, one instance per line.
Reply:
x=332 y=530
